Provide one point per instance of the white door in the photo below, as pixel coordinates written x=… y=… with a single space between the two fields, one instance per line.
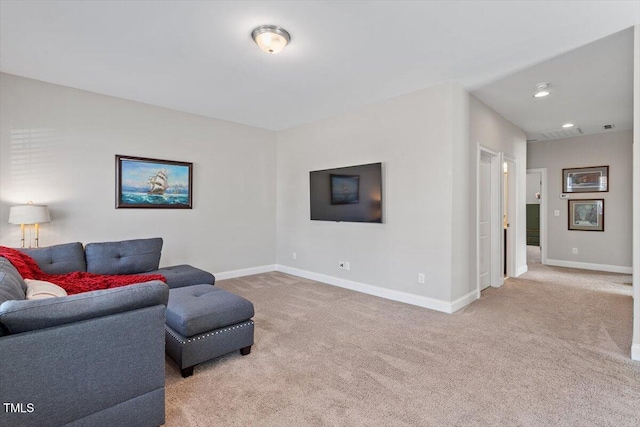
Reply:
x=485 y=221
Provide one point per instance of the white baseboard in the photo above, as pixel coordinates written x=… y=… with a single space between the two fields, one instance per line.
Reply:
x=244 y=272
x=590 y=266
x=635 y=352
x=407 y=298
x=464 y=301
x=522 y=270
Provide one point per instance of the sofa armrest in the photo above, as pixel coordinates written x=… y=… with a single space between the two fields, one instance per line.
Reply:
x=27 y=315
x=104 y=371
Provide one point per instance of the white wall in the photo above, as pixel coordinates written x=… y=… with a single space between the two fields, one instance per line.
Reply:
x=411 y=136
x=635 y=351
x=463 y=191
x=491 y=130
x=613 y=246
x=58 y=147
x=429 y=164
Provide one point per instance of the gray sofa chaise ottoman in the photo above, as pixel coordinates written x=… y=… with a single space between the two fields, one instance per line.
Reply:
x=204 y=322
x=97 y=358
x=191 y=312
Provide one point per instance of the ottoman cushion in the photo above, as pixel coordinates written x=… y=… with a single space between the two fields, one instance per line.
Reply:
x=196 y=309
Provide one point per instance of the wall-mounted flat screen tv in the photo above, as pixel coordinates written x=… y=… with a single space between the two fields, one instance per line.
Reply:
x=351 y=194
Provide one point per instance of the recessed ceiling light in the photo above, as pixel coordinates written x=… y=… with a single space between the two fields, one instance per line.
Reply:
x=567 y=125
x=271 y=38
x=541 y=90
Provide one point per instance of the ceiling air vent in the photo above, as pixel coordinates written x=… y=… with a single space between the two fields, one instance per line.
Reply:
x=608 y=127
x=561 y=133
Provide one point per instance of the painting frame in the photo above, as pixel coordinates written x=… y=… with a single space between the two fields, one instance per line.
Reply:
x=344 y=189
x=131 y=173
x=586 y=214
x=592 y=179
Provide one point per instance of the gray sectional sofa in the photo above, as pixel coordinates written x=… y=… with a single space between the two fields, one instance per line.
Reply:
x=139 y=256
x=90 y=359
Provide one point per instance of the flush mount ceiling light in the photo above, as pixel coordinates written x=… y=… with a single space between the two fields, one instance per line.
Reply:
x=541 y=90
x=568 y=125
x=271 y=38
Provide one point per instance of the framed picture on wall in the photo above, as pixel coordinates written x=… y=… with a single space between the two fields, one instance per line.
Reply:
x=585 y=180
x=153 y=183
x=586 y=214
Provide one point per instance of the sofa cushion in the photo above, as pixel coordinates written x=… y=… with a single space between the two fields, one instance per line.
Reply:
x=125 y=257
x=12 y=287
x=28 y=315
x=59 y=259
x=178 y=276
x=196 y=309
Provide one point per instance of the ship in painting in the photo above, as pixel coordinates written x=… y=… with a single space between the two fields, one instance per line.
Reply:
x=158 y=183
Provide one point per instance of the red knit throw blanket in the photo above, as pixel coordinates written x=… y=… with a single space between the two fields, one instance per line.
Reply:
x=73 y=283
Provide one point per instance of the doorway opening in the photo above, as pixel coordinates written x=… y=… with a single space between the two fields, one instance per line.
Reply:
x=536 y=200
x=509 y=215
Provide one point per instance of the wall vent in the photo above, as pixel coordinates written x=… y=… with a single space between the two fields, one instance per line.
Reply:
x=531 y=140
x=561 y=133
x=608 y=127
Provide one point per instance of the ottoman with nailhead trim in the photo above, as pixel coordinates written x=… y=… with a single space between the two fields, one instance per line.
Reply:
x=204 y=322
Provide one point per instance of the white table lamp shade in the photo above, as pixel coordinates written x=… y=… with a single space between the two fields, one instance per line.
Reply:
x=29 y=214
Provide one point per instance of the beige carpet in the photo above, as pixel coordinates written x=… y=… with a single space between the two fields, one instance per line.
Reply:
x=548 y=349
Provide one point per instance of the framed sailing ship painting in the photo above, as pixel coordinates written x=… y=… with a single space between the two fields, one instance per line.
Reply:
x=153 y=183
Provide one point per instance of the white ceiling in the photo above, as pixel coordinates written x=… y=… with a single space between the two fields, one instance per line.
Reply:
x=590 y=87
x=198 y=57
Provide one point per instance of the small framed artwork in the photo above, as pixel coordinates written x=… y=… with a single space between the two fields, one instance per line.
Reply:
x=586 y=215
x=345 y=189
x=585 y=180
x=153 y=183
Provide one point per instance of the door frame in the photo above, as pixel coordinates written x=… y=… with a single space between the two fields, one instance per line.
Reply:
x=543 y=212
x=496 y=278
x=512 y=208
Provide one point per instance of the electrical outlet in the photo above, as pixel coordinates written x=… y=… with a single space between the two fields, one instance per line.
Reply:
x=556 y=213
x=421 y=278
x=294 y=255
x=574 y=251
x=347 y=265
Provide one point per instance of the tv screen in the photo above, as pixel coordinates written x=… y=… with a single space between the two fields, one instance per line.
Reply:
x=351 y=194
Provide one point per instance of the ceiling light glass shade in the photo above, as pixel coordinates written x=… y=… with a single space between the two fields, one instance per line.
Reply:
x=567 y=125
x=541 y=90
x=271 y=38
x=29 y=214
